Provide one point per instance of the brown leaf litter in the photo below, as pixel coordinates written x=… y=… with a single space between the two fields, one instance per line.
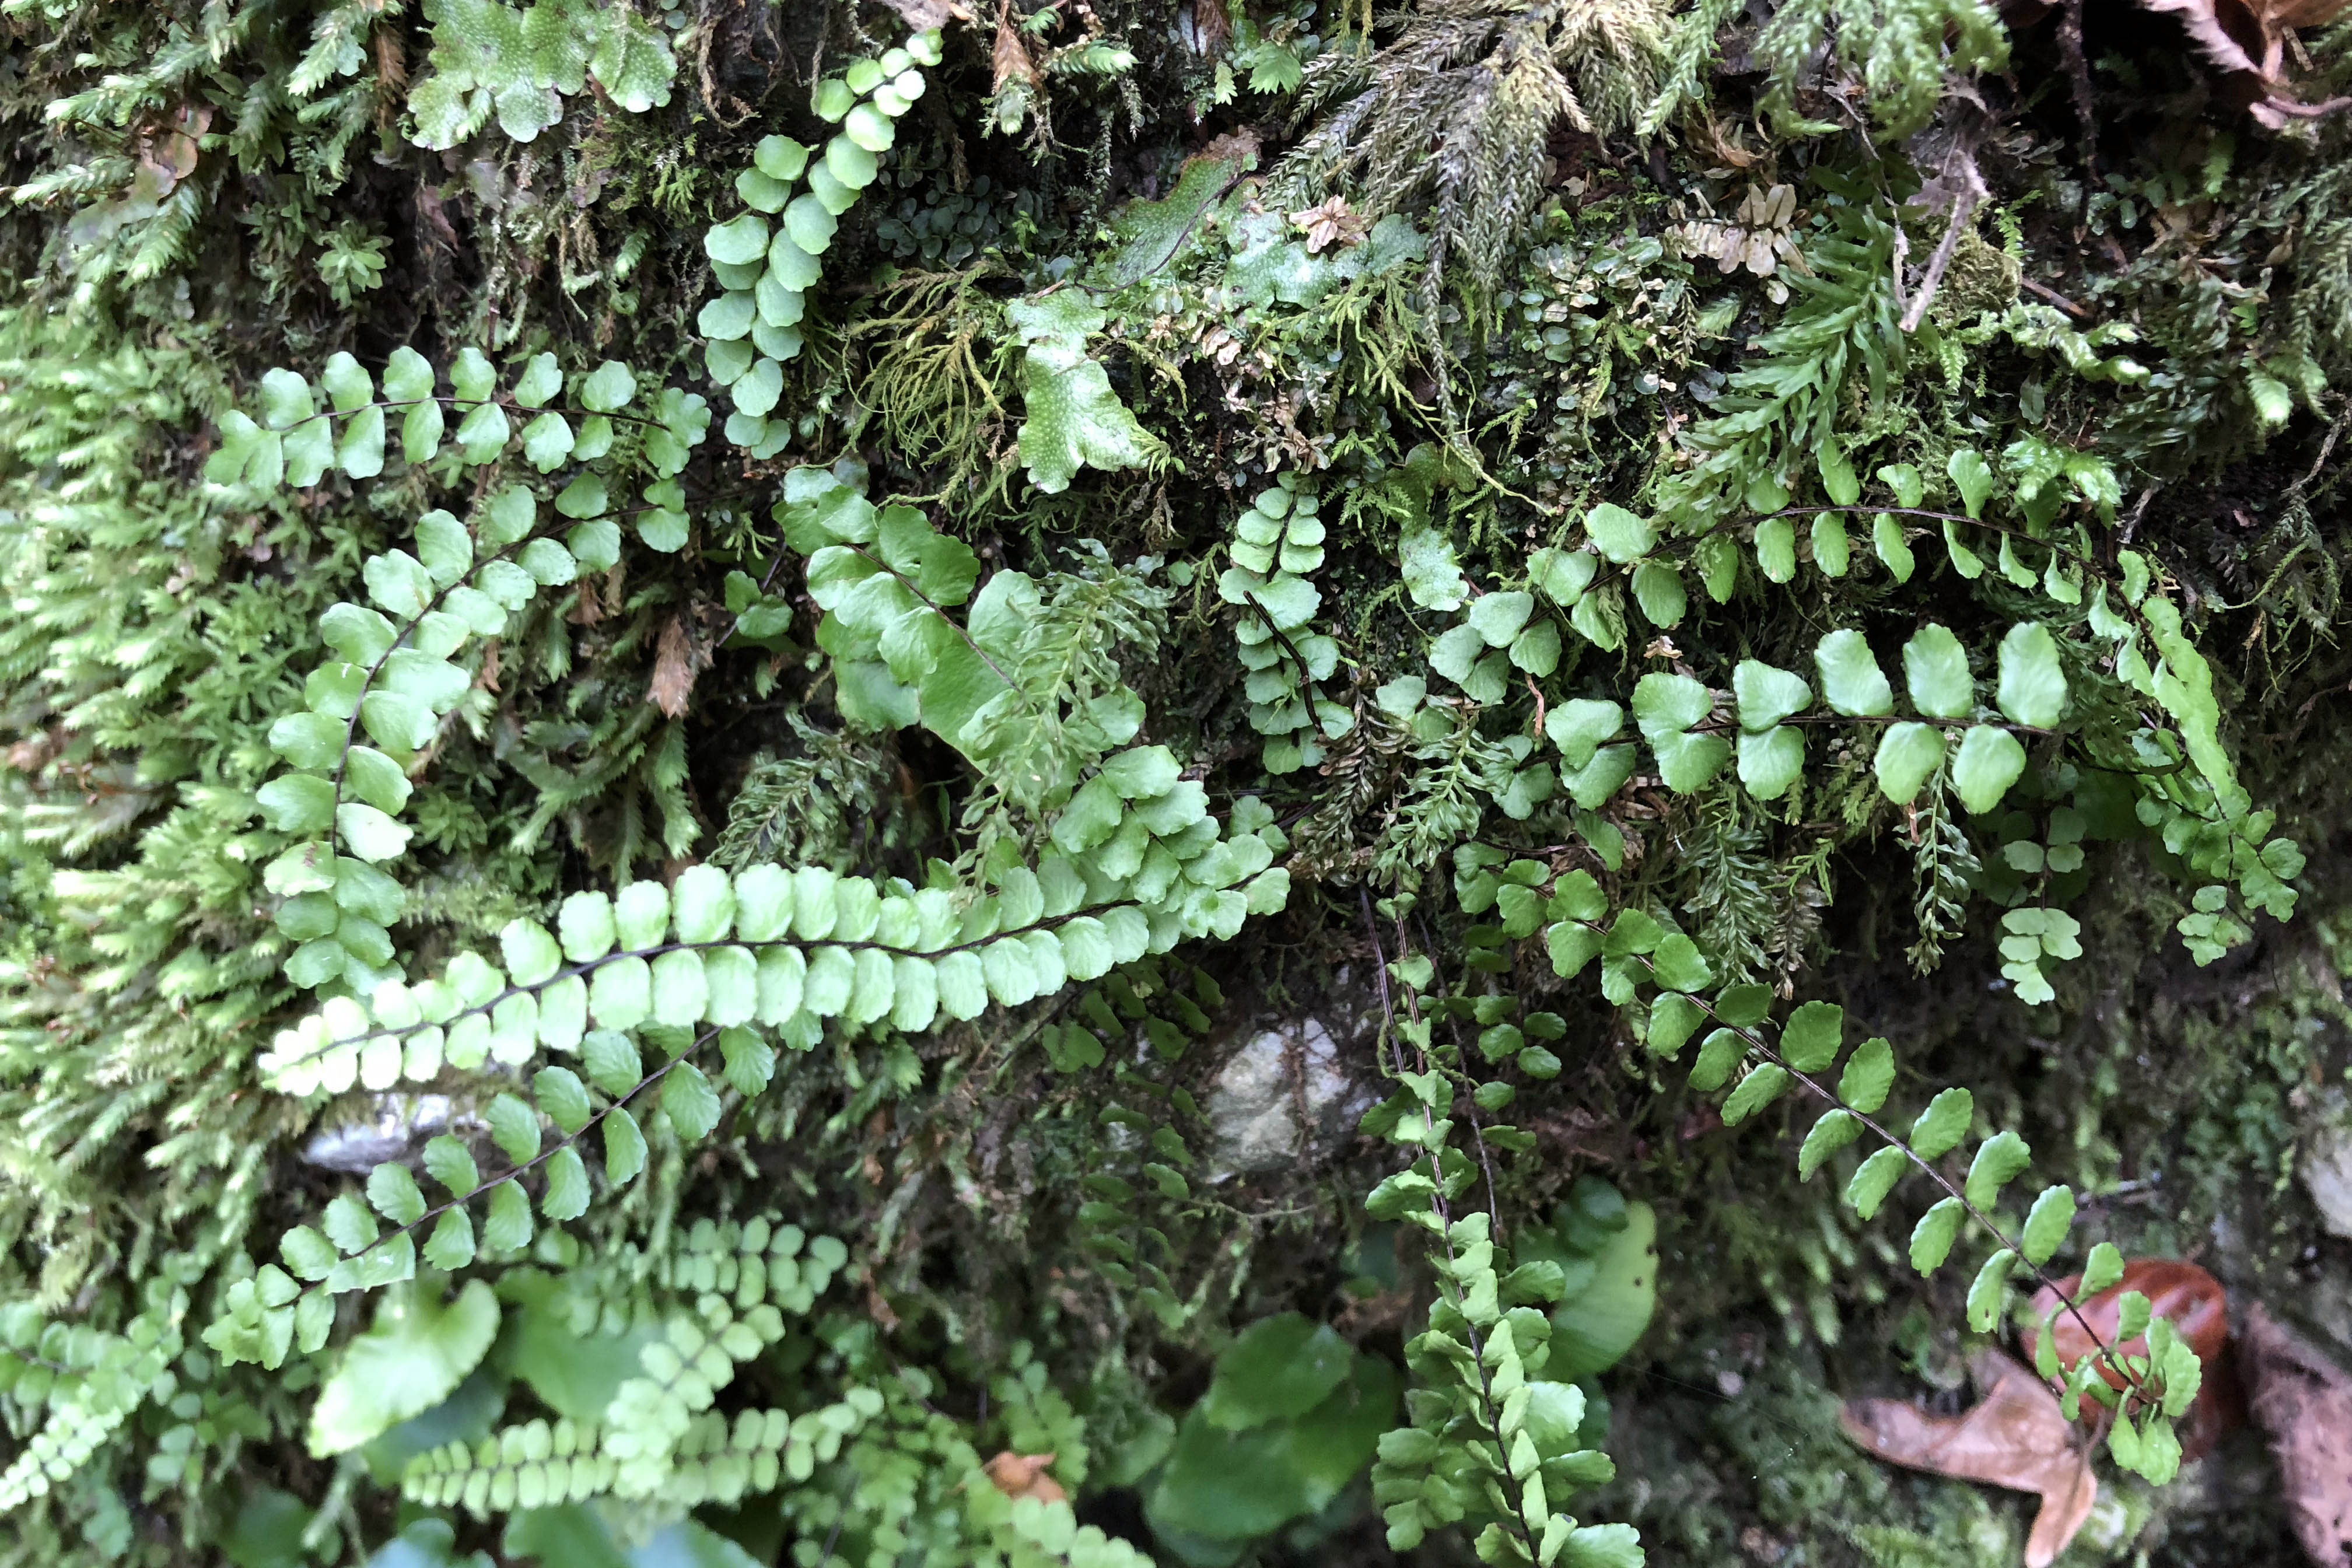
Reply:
x=2016 y=1437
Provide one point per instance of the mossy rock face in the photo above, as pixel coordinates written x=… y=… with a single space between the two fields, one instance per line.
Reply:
x=1130 y=781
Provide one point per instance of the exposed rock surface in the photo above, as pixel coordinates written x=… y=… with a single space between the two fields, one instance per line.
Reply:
x=2326 y=1166
x=1294 y=1086
x=359 y=1147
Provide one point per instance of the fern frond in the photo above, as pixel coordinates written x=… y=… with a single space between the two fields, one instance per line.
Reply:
x=1460 y=105
x=836 y=796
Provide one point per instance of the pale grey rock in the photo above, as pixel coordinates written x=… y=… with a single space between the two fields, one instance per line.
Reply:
x=2326 y=1169
x=1294 y=1087
x=401 y=1120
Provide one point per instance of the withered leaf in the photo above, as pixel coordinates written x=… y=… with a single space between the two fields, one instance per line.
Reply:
x=1755 y=236
x=921 y=14
x=1327 y=223
x=1019 y=1476
x=673 y=680
x=2303 y=1402
x=2015 y=1437
x=2193 y=1299
x=1010 y=58
x=1211 y=28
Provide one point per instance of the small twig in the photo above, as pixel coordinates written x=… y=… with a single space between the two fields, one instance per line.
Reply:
x=1380 y=969
x=1477 y=1133
x=2327 y=446
x=2055 y=297
x=1964 y=207
x=2290 y=108
x=2138 y=510
x=1902 y=260
x=2078 y=74
x=1305 y=676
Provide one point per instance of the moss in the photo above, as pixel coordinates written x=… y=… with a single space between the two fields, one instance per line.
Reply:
x=1474 y=349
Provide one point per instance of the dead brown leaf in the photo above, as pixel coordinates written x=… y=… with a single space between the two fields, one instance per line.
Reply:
x=32 y=755
x=1011 y=55
x=673 y=681
x=2192 y=1299
x=1239 y=147
x=1756 y=236
x=167 y=154
x=2303 y=1401
x=1018 y=1476
x=2015 y=1437
x=391 y=64
x=1211 y=30
x=585 y=610
x=1721 y=142
x=1331 y=221
x=2246 y=34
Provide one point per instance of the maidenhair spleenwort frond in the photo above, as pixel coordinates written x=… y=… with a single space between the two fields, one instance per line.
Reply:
x=1636 y=950
x=791 y=949
x=542 y=1464
x=1133 y=873
x=733 y=1293
x=396 y=677
x=1028 y=684
x=269 y=1314
x=88 y=1381
x=765 y=271
x=1278 y=545
x=1132 y=1199
x=659 y=1437
x=1964 y=725
x=1492 y=1445
x=2185 y=782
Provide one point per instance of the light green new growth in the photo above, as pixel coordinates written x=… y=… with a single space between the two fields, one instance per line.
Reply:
x=765 y=268
x=493 y=60
x=396 y=678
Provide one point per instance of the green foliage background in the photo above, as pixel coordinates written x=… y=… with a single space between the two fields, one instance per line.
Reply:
x=679 y=678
